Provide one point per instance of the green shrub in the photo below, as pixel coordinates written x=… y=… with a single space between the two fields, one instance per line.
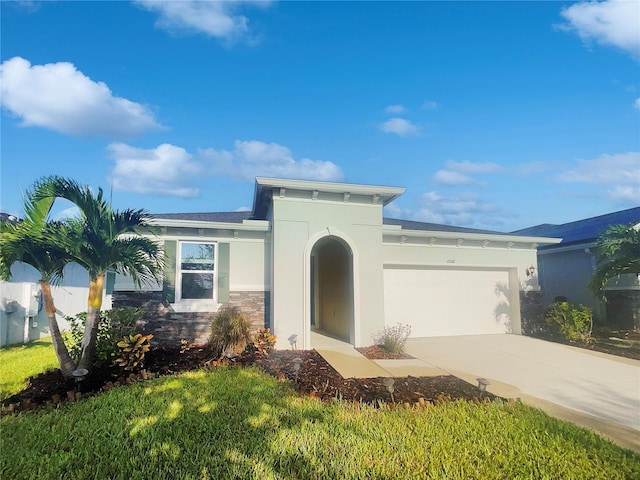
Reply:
x=393 y=339
x=264 y=341
x=573 y=321
x=230 y=331
x=113 y=325
x=132 y=350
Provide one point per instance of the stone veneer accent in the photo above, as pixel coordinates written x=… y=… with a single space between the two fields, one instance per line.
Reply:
x=532 y=312
x=169 y=327
x=623 y=308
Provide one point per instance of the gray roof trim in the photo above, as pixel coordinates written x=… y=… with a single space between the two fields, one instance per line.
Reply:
x=264 y=186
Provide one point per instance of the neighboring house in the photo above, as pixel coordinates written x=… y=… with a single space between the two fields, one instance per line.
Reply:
x=317 y=256
x=566 y=268
x=22 y=315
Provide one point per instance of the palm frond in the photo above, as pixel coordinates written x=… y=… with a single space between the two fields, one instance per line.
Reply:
x=619 y=246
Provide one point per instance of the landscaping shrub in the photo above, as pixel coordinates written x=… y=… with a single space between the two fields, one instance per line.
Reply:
x=132 y=350
x=113 y=325
x=264 y=341
x=573 y=321
x=393 y=339
x=230 y=332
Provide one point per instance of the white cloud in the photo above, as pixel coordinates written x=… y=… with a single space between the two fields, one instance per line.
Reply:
x=462 y=209
x=471 y=168
x=399 y=126
x=448 y=177
x=532 y=168
x=255 y=158
x=59 y=97
x=620 y=172
x=612 y=22
x=170 y=170
x=215 y=19
x=636 y=104
x=430 y=105
x=459 y=173
x=164 y=170
x=70 y=212
x=395 y=109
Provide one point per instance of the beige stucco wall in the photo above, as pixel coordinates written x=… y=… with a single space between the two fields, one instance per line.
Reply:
x=298 y=224
x=458 y=270
x=249 y=263
x=465 y=256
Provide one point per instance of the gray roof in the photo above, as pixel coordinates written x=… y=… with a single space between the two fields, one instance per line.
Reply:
x=238 y=217
x=7 y=217
x=223 y=217
x=434 y=227
x=582 y=231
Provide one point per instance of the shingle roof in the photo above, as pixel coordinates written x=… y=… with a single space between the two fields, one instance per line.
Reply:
x=6 y=217
x=238 y=217
x=223 y=217
x=434 y=227
x=582 y=231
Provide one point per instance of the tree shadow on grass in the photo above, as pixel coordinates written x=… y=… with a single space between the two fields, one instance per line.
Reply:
x=225 y=423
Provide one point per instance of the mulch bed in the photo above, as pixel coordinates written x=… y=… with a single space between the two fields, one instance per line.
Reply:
x=315 y=378
x=376 y=352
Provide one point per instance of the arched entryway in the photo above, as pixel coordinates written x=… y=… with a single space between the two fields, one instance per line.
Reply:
x=331 y=282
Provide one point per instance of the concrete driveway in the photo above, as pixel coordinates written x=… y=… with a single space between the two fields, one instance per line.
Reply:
x=603 y=386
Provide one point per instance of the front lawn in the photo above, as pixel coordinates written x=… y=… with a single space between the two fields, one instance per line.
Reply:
x=19 y=362
x=241 y=423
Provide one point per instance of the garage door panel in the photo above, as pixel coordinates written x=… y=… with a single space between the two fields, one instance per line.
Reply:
x=440 y=302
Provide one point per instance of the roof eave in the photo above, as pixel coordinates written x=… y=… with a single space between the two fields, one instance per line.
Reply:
x=255 y=225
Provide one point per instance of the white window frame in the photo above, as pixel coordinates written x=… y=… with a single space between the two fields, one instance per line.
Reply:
x=200 y=304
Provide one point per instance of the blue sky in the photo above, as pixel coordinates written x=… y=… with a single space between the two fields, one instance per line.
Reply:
x=495 y=115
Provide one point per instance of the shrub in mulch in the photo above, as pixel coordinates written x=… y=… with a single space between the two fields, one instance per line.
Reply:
x=315 y=378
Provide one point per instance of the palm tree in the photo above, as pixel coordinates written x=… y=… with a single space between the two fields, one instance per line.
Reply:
x=37 y=242
x=620 y=249
x=102 y=239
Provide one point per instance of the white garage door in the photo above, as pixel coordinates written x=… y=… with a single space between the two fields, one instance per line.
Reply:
x=439 y=302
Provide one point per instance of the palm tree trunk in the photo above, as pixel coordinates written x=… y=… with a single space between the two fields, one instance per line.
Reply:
x=90 y=336
x=67 y=365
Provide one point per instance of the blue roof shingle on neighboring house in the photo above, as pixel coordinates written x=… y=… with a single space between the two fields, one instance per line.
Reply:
x=582 y=231
x=221 y=217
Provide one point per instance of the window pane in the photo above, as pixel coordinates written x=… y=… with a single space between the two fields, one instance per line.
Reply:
x=197 y=256
x=197 y=285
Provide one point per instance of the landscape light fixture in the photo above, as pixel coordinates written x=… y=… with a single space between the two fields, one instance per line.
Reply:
x=388 y=382
x=482 y=384
x=79 y=374
x=297 y=363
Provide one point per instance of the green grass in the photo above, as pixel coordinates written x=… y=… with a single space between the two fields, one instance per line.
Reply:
x=17 y=363
x=242 y=423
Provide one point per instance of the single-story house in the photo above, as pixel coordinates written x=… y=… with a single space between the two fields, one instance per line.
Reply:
x=566 y=268
x=319 y=256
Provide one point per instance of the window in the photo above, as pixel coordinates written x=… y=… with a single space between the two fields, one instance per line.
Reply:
x=197 y=271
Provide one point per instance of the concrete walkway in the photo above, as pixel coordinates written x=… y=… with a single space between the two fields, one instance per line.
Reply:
x=350 y=363
x=594 y=390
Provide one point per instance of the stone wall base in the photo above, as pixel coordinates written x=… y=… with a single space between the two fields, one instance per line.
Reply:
x=169 y=327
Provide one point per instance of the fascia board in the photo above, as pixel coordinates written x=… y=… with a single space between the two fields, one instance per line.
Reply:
x=255 y=225
x=474 y=236
x=389 y=193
